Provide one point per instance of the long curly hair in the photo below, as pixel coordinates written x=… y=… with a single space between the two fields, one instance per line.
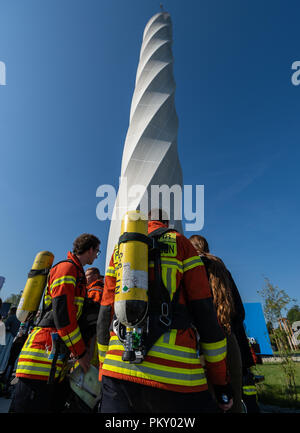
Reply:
x=219 y=282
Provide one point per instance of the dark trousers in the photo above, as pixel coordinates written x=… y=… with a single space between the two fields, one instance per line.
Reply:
x=36 y=396
x=121 y=396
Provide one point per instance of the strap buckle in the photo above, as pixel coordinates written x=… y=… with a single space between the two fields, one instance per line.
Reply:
x=164 y=317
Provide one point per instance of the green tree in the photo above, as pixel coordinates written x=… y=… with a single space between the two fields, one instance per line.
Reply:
x=14 y=299
x=293 y=315
x=275 y=301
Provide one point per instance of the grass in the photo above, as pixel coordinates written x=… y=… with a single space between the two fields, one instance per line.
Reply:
x=292 y=353
x=273 y=389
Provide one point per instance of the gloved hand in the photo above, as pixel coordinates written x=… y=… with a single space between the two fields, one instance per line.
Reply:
x=224 y=396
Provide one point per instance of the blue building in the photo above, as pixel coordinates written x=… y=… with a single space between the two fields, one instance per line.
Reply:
x=255 y=327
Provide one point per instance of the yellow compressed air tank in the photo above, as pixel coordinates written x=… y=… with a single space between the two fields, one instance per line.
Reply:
x=131 y=298
x=34 y=288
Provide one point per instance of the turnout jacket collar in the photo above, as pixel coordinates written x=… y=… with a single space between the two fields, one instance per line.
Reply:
x=154 y=225
x=76 y=260
x=95 y=284
x=95 y=290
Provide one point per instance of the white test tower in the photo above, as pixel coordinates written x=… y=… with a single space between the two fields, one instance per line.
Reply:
x=150 y=152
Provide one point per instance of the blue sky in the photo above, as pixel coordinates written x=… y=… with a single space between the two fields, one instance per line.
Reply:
x=64 y=113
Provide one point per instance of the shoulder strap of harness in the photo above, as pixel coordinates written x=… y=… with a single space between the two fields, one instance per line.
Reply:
x=164 y=314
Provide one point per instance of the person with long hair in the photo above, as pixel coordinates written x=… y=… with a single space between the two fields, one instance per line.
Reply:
x=231 y=314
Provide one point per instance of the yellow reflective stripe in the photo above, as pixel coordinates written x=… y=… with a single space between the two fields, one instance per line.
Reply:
x=169 y=337
x=39 y=369
x=173 y=335
x=114 y=338
x=172 y=262
x=31 y=336
x=191 y=263
x=159 y=373
x=102 y=349
x=249 y=390
x=41 y=355
x=110 y=272
x=33 y=350
x=192 y=372
x=168 y=275
x=214 y=352
x=47 y=300
x=164 y=350
x=67 y=279
x=36 y=361
x=72 y=338
x=75 y=335
x=38 y=357
x=78 y=301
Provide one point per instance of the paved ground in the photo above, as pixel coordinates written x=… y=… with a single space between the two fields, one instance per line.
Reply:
x=5 y=403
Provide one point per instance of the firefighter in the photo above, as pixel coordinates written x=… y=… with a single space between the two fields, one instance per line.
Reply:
x=231 y=315
x=94 y=282
x=170 y=378
x=42 y=364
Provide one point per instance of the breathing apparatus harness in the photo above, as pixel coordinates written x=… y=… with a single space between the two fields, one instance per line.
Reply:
x=163 y=314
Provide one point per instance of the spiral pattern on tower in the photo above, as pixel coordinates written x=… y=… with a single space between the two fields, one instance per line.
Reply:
x=150 y=151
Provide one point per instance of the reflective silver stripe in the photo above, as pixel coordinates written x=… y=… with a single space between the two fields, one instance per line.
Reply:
x=72 y=338
x=25 y=353
x=175 y=263
x=101 y=353
x=196 y=261
x=248 y=390
x=33 y=369
x=160 y=349
x=214 y=352
x=141 y=368
x=31 y=336
x=44 y=357
x=45 y=369
x=166 y=337
x=78 y=300
x=173 y=352
x=95 y=290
